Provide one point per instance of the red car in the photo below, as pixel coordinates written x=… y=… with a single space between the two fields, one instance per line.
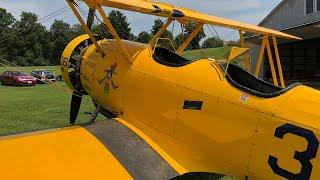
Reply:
x=17 y=78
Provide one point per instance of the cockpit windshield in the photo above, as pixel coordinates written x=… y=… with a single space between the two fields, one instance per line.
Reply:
x=219 y=55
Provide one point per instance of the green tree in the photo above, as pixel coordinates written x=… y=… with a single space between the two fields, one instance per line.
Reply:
x=233 y=43
x=102 y=31
x=27 y=44
x=77 y=30
x=119 y=22
x=187 y=30
x=143 y=37
x=61 y=34
x=180 y=38
x=157 y=26
x=195 y=43
x=6 y=20
x=166 y=34
x=212 y=42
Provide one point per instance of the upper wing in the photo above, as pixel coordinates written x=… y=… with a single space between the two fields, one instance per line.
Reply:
x=185 y=15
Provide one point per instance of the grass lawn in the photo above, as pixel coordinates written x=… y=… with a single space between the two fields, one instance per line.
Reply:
x=41 y=107
x=215 y=53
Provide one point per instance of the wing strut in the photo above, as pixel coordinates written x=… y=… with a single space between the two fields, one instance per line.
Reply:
x=114 y=34
x=266 y=45
x=107 y=22
x=246 y=56
x=190 y=38
x=160 y=32
x=83 y=24
x=276 y=50
x=273 y=71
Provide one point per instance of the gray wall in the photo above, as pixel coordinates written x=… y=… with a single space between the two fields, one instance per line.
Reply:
x=254 y=53
x=290 y=13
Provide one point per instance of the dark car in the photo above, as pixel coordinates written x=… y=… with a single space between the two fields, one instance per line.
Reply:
x=17 y=78
x=44 y=75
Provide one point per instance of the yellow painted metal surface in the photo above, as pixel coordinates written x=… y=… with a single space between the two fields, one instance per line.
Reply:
x=70 y=153
x=236 y=52
x=299 y=109
x=196 y=119
x=65 y=58
x=102 y=77
x=271 y=63
x=148 y=7
x=261 y=54
x=226 y=136
x=276 y=50
x=190 y=136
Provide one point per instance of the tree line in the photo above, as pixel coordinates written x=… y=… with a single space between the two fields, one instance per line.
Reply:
x=26 y=42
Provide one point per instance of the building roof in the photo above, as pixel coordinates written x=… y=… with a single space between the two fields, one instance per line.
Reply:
x=274 y=10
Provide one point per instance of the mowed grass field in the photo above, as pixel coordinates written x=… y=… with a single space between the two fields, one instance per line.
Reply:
x=24 y=109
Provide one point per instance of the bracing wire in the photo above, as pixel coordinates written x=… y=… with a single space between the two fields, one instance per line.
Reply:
x=216 y=34
x=172 y=31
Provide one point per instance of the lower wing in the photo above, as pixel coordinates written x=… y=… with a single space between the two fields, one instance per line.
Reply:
x=102 y=150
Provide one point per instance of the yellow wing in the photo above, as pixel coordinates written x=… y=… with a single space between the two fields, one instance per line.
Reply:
x=102 y=150
x=184 y=15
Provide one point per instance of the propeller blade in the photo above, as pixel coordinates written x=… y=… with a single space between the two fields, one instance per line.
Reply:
x=75 y=107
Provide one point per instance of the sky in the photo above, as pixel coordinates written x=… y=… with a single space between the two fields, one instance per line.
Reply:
x=250 y=11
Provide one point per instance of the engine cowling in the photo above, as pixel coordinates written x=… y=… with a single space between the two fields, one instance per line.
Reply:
x=88 y=71
x=71 y=61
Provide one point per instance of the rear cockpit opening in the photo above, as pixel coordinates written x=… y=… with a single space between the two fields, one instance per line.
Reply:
x=247 y=82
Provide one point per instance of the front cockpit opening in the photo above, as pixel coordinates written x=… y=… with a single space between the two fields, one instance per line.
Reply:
x=168 y=58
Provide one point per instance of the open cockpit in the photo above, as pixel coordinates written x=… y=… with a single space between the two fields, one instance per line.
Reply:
x=247 y=82
x=168 y=58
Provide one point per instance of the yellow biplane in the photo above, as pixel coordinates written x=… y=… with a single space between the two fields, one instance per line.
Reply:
x=169 y=117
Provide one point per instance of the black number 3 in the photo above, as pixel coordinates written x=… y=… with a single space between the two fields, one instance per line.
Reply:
x=303 y=157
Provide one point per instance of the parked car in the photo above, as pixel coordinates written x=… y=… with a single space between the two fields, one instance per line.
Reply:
x=17 y=78
x=44 y=75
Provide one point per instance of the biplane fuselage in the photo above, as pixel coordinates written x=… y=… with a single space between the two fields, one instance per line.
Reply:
x=169 y=116
x=201 y=120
